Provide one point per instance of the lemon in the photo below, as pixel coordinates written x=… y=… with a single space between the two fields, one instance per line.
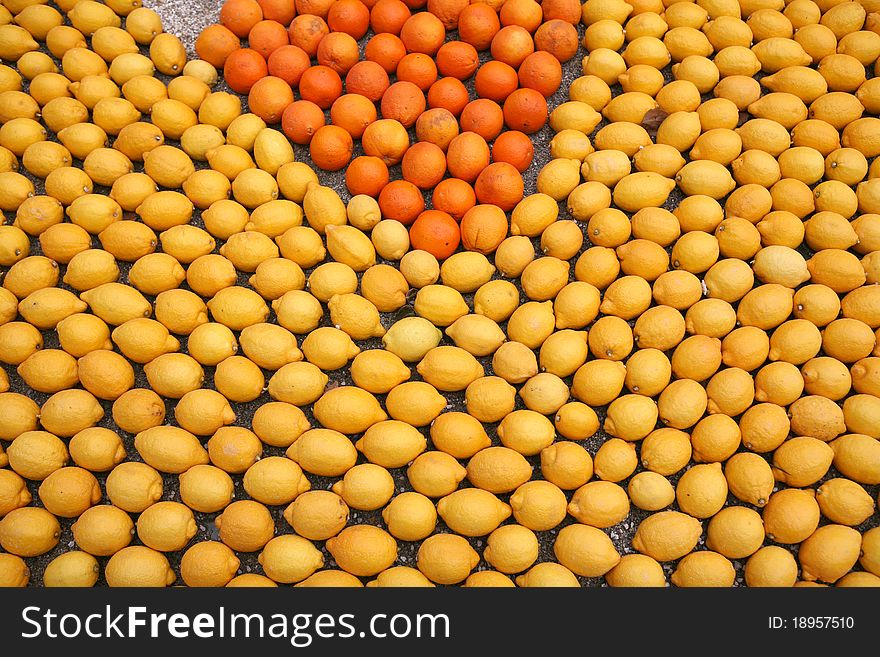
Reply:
x=363 y=550
x=548 y=574
x=139 y=566
x=446 y=558
x=208 y=563
x=72 y=569
x=667 y=535
x=410 y=517
x=103 y=530
x=288 y=559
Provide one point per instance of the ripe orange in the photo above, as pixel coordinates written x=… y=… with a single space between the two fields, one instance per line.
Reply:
x=349 y=16
x=557 y=37
x=389 y=16
x=467 y=156
x=453 y=196
x=404 y=102
x=240 y=16
x=269 y=97
x=525 y=13
x=321 y=85
x=419 y=69
x=338 y=51
x=566 y=10
x=267 y=36
x=513 y=147
x=366 y=175
x=243 y=68
x=316 y=7
x=483 y=228
x=525 y=110
x=437 y=126
x=289 y=63
x=424 y=165
x=367 y=79
x=331 y=147
x=499 y=184
x=447 y=11
x=307 y=31
x=402 y=201
x=448 y=93
x=386 y=139
x=415 y=4
x=435 y=232
x=457 y=59
x=215 y=44
x=477 y=25
x=282 y=11
x=386 y=50
x=354 y=113
x=484 y=117
x=496 y=81
x=542 y=72
x=300 y=120
x=423 y=32
x=512 y=45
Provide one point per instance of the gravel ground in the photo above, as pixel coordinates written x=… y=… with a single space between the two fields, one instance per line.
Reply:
x=186 y=18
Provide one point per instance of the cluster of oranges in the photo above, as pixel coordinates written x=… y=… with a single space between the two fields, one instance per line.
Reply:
x=417 y=79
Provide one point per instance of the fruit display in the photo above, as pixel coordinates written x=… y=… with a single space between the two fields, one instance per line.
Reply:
x=438 y=292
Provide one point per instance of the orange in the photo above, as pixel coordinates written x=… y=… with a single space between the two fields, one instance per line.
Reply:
x=404 y=102
x=321 y=85
x=435 y=232
x=457 y=59
x=331 y=147
x=566 y=10
x=300 y=120
x=453 y=196
x=367 y=79
x=496 y=81
x=499 y=184
x=557 y=37
x=525 y=13
x=243 y=68
x=240 y=16
x=402 y=201
x=415 y=4
x=215 y=44
x=542 y=72
x=386 y=139
x=513 y=147
x=447 y=11
x=424 y=165
x=484 y=117
x=316 y=7
x=483 y=228
x=419 y=69
x=307 y=32
x=349 y=16
x=525 y=110
x=269 y=97
x=289 y=63
x=450 y=94
x=477 y=25
x=366 y=175
x=386 y=50
x=389 y=16
x=423 y=32
x=438 y=126
x=467 y=156
x=512 y=45
x=353 y=113
x=282 y=11
x=338 y=51
x=267 y=36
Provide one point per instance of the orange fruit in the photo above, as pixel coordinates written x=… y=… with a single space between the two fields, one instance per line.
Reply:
x=453 y=196
x=386 y=139
x=389 y=16
x=243 y=68
x=484 y=117
x=496 y=81
x=483 y=228
x=513 y=147
x=240 y=16
x=525 y=110
x=349 y=16
x=424 y=165
x=566 y=10
x=402 y=201
x=438 y=126
x=366 y=175
x=525 y=13
x=307 y=31
x=331 y=147
x=289 y=63
x=300 y=120
x=386 y=50
x=415 y=4
x=316 y=7
x=499 y=184
x=269 y=97
x=353 y=113
x=419 y=69
x=477 y=25
x=557 y=37
x=448 y=93
x=423 y=32
x=321 y=85
x=512 y=45
x=542 y=72
x=404 y=102
x=215 y=44
x=447 y=11
x=338 y=51
x=467 y=156
x=367 y=79
x=435 y=232
x=282 y=11
x=457 y=59
x=267 y=36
